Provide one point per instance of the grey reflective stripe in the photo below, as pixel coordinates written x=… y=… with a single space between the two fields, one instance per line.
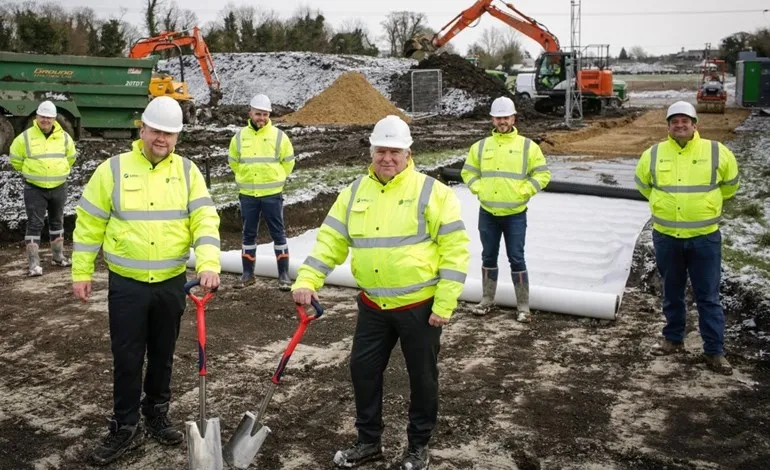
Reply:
x=238 y=142
x=276 y=184
x=525 y=156
x=471 y=169
x=653 y=165
x=503 y=205
x=249 y=247
x=535 y=183
x=186 y=166
x=54 y=179
x=679 y=224
x=56 y=232
x=278 y=144
x=46 y=155
x=714 y=161
x=66 y=142
x=145 y=264
x=427 y=189
x=353 y=191
x=280 y=247
x=206 y=241
x=318 y=265
x=639 y=183
x=451 y=227
x=452 y=275
x=504 y=174
x=232 y=160
x=481 y=148
x=732 y=182
x=115 y=168
x=400 y=291
x=85 y=247
x=288 y=158
x=16 y=157
x=687 y=189
x=151 y=215
x=472 y=180
x=336 y=225
x=257 y=160
x=200 y=202
x=539 y=168
x=32 y=238
x=26 y=142
x=90 y=208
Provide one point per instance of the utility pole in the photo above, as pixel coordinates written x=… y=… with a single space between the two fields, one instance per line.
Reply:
x=573 y=104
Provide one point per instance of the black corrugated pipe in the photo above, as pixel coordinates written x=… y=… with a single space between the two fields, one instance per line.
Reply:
x=453 y=174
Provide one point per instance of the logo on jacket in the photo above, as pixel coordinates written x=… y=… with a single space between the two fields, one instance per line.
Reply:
x=405 y=202
x=126 y=175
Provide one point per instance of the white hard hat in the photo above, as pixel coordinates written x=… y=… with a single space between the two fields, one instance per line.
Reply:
x=46 y=109
x=682 y=107
x=502 y=107
x=261 y=102
x=164 y=114
x=392 y=132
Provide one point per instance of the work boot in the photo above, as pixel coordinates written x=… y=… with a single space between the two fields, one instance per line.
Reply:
x=282 y=259
x=33 y=259
x=159 y=427
x=718 y=364
x=521 y=287
x=57 y=247
x=488 y=289
x=120 y=439
x=248 y=258
x=667 y=348
x=415 y=458
x=359 y=454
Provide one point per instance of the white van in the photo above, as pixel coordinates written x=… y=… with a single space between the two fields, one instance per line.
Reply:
x=525 y=85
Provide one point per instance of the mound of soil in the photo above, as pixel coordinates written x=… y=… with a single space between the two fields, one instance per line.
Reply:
x=457 y=72
x=350 y=100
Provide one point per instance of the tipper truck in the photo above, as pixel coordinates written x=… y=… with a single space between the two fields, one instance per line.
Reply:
x=94 y=96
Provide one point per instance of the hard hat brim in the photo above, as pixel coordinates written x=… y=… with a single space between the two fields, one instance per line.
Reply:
x=258 y=108
x=173 y=130
x=694 y=118
x=390 y=144
x=502 y=115
x=48 y=115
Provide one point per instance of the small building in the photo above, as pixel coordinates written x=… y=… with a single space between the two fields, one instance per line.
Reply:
x=752 y=82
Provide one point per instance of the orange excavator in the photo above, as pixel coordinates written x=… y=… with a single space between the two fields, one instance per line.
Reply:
x=163 y=84
x=550 y=68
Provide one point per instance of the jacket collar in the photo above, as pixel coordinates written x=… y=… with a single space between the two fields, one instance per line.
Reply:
x=690 y=143
x=56 y=127
x=268 y=125
x=505 y=137
x=137 y=150
x=398 y=179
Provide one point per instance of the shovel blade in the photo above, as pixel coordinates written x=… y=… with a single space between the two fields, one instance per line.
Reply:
x=240 y=451
x=204 y=452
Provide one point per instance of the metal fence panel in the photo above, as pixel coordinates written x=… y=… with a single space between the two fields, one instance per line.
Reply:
x=426 y=91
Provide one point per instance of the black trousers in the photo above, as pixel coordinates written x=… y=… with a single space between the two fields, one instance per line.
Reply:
x=144 y=319
x=376 y=335
x=39 y=201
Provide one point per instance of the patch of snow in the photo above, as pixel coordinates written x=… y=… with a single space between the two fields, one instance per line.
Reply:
x=456 y=102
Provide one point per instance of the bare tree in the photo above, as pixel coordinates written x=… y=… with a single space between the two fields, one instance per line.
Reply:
x=177 y=19
x=400 y=26
x=638 y=53
x=151 y=16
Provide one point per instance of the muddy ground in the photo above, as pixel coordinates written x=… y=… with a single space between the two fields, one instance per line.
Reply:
x=561 y=393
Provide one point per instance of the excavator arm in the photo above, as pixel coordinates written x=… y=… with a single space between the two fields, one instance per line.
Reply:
x=194 y=39
x=523 y=23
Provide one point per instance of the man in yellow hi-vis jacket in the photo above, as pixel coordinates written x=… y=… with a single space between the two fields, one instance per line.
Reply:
x=262 y=157
x=44 y=155
x=686 y=179
x=504 y=171
x=410 y=256
x=145 y=209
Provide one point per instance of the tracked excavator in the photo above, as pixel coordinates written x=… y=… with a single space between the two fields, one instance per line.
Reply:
x=163 y=84
x=712 y=96
x=551 y=67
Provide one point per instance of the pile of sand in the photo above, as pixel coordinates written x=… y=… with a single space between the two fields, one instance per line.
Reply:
x=350 y=100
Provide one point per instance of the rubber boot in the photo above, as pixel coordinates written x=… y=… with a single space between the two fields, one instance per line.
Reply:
x=282 y=259
x=33 y=258
x=521 y=287
x=57 y=247
x=248 y=258
x=488 y=289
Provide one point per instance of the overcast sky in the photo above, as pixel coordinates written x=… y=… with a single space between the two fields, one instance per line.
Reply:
x=659 y=26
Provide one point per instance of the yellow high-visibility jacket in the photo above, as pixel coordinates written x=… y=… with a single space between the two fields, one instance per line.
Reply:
x=145 y=219
x=43 y=161
x=261 y=160
x=504 y=171
x=407 y=240
x=686 y=186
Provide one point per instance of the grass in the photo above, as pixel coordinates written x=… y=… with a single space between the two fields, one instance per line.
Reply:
x=763 y=240
x=738 y=259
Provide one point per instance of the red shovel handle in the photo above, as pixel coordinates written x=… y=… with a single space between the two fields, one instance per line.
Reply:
x=200 y=316
x=305 y=320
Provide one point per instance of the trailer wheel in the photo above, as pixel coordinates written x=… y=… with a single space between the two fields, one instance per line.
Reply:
x=6 y=135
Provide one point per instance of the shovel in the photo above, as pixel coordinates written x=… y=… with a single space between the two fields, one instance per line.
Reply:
x=204 y=443
x=250 y=434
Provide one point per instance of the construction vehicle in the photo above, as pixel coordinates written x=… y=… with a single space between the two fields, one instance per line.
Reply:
x=595 y=83
x=712 y=96
x=94 y=96
x=163 y=84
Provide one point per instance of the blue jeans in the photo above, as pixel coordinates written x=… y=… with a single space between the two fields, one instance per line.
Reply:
x=271 y=207
x=513 y=228
x=701 y=257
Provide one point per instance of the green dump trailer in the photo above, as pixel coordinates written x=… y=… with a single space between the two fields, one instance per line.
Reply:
x=95 y=96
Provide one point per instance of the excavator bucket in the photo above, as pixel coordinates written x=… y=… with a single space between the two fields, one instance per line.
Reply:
x=418 y=44
x=411 y=46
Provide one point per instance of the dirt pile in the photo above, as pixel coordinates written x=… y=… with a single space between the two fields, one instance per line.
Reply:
x=460 y=74
x=350 y=100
